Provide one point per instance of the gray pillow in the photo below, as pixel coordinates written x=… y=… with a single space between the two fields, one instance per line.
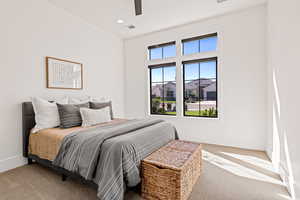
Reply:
x=99 y=105
x=69 y=114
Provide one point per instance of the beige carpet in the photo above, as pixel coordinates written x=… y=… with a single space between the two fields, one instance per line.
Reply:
x=228 y=174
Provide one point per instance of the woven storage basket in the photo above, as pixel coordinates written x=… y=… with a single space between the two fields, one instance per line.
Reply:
x=171 y=172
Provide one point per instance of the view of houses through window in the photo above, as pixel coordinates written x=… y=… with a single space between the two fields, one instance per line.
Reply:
x=199 y=78
x=200 y=88
x=163 y=89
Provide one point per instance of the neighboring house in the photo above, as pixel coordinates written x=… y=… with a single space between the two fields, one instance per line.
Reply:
x=210 y=92
x=207 y=90
x=168 y=91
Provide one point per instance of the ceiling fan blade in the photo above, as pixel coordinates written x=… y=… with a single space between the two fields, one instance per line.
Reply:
x=138 y=7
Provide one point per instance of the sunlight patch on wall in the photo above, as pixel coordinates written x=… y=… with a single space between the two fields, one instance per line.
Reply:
x=276 y=93
x=276 y=129
x=289 y=173
x=280 y=150
x=276 y=140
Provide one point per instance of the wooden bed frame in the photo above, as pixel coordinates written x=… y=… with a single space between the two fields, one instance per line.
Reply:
x=28 y=122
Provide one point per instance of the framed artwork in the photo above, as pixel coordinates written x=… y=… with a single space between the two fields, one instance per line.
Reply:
x=63 y=74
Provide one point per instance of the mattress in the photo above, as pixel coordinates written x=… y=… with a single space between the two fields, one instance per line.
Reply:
x=46 y=143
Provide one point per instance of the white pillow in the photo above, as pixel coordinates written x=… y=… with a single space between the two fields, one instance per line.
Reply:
x=46 y=113
x=57 y=99
x=86 y=99
x=91 y=117
x=99 y=99
x=79 y=100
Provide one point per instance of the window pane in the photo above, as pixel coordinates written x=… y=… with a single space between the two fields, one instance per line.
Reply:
x=191 y=71
x=156 y=98
x=170 y=73
x=156 y=53
x=208 y=109
x=190 y=47
x=208 y=69
x=191 y=109
x=208 y=89
x=169 y=51
x=156 y=75
x=170 y=98
x=163 y=93
x=191 y=91
x=191 y=98
x=208 y=44
x=200 y=93
x=170 y=91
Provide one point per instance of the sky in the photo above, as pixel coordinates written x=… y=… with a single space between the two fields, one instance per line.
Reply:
x=203 y=45
x=169 y=74
x=207 y=69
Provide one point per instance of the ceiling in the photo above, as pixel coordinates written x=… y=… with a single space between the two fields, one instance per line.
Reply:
x=157 y=14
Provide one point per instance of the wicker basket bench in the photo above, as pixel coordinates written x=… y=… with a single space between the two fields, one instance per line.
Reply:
x=171 y=172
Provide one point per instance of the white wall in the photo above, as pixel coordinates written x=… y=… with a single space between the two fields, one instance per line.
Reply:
x=284 y=95
x=242 y=79
x=33 y=29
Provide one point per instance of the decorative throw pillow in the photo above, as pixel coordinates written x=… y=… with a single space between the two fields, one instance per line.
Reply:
x=98 y=105
x=46 y=113
x=91 y=117
x=69 y=114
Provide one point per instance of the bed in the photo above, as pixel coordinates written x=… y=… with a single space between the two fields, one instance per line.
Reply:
x=106 y=156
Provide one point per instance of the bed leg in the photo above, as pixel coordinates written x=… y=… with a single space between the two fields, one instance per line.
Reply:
x=64 y=177
x=30 y=161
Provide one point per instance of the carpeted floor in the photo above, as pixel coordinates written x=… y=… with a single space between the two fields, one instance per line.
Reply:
x=228 y=174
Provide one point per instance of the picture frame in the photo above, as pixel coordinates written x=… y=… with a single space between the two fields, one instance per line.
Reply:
x=63 y=74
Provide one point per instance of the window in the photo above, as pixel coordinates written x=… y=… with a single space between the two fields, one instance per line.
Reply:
x=200 y=44
x=199 y=95
x=163 y=89
x=200 y=88
x=162 y=51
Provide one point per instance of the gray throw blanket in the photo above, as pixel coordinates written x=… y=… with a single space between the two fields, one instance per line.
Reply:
x=111 y=155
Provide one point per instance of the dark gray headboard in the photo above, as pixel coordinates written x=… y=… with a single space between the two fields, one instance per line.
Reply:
x=28 y=123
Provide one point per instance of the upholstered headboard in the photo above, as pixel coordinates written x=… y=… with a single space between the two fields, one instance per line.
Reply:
x=28 y=123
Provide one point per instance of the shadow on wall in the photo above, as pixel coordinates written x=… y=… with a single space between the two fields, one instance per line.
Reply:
x=280 y=150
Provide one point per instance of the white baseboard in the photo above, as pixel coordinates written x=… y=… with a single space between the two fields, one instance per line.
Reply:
x=12 y=162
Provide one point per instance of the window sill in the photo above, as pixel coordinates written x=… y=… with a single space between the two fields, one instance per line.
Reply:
x=200 y=118
x=157 y=115
x=184 y=117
